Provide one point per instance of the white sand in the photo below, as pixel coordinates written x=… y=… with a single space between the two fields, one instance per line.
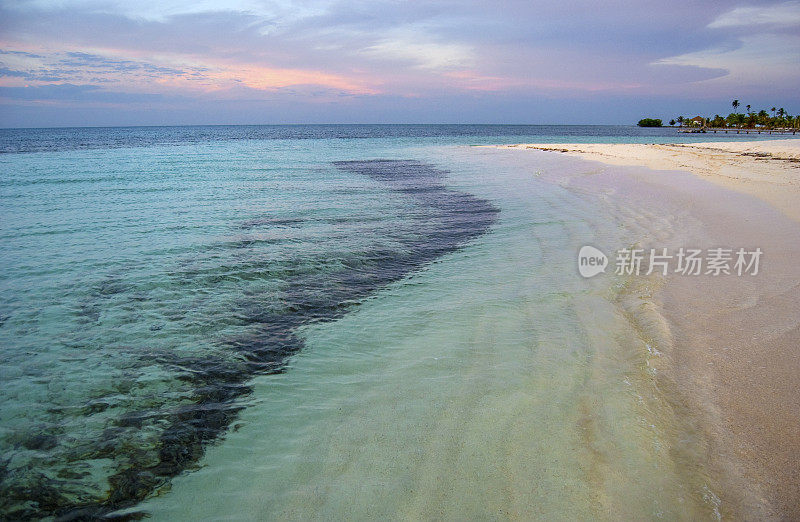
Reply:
x=769 y=169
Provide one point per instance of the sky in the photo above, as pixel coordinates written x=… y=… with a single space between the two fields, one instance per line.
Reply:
x=159 y=62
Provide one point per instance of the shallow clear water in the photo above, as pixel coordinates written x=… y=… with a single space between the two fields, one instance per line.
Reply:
x=494 y=384
x=299 y=330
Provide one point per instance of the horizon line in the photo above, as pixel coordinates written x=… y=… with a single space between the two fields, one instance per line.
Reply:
x=324 y=124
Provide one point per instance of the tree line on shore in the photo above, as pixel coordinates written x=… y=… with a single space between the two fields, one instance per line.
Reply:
x=780 y=119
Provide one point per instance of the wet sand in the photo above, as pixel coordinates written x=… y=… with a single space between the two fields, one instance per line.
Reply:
x=732 y=354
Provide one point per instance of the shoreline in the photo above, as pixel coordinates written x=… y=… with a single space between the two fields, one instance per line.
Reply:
x=521 y=388
x=732 y=368
x=768 y=169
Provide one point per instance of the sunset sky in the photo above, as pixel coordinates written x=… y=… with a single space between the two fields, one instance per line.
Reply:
x=124 y=62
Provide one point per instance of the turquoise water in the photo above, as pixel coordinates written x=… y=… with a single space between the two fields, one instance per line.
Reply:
x=325 y=323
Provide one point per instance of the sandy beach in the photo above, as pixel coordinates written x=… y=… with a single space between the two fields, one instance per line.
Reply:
x=732 y=362
x=769 y=170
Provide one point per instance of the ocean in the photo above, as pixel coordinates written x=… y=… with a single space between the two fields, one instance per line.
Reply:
x=324 y=322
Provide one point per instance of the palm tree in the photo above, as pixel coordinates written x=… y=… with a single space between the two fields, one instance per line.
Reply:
x=680 y=120
x=773 y=111
x=748 y=109
x=735 y=104
x=781 y=114
x=762 y=117
x=672 y=122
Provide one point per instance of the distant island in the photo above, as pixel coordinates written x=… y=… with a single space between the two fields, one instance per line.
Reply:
x=779 y=120
x=650 y=122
